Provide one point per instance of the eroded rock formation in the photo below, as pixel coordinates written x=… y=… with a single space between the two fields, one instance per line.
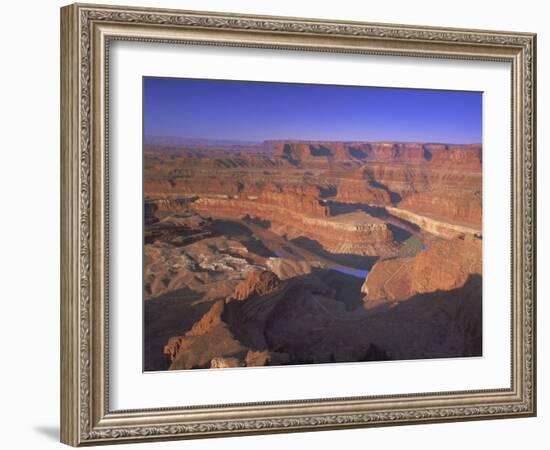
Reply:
x=257 y=282
x=357 y=233
x=454 y=206
x=444 y=266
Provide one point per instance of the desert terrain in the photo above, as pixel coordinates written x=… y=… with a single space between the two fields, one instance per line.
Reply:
x=300 y=252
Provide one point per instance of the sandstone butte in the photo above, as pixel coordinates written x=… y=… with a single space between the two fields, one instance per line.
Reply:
x=444 y=266
x=296 y=252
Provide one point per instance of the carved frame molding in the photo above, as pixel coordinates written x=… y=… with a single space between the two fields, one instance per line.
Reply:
x=86 y=31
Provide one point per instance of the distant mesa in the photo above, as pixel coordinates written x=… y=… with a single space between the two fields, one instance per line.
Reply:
x=296 y=152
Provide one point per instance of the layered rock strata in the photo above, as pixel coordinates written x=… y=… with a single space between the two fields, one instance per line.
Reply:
x=468 y=156
x=435 y=226
x=455 y=206
x=356 y=233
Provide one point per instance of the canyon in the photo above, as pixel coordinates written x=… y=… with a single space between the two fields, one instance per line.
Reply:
x=299 y=252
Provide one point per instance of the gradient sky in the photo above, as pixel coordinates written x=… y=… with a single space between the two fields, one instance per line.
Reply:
x=256 y=111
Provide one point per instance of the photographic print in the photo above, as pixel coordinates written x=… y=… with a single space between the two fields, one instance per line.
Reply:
x=290 y=223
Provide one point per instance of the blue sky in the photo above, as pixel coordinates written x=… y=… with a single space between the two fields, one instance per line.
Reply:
x=257 y=111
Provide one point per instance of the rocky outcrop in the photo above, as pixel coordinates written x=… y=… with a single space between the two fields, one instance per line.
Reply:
x=268 y=201
x=355 y=185
x=435 y=226
x=312 y=152
x=189 y=186
x=257 y=282
x=405 y=179
x=211 y=320
x=454 y=206
x=361 y=191
x=305 y=322
x=225 y=363
x=179 y=228
x=152 y=206
x=444 y=266
x=169 y=268
x=302 y=199
x=356 y=233
x=258 y=358
x=209 y=343
x=401 y=168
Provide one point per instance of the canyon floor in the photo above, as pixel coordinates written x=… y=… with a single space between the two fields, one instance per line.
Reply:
x=301 y=252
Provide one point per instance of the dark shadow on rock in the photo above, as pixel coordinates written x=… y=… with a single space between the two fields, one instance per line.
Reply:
x=302 y=320
x=394 y=196
x=258 y=222
x=320 y=150
x=357 y=153
x=427 y=153
x=230 y=228
x=244 y=234
x=400 y=234
x=327 y=191
x=375 y=353
x=347 y=288
x=355 y=261
x=380 y=212
x=170 y=314
x=454 y=318
x=287 y=154
x=337 y=208
x=258 y=247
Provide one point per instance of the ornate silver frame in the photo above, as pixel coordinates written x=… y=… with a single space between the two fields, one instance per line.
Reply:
x=86 y=31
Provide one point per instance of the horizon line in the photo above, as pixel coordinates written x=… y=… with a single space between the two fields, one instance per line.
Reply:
x=311 y=140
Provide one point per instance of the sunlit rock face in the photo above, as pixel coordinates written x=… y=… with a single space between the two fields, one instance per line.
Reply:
x=445 y=265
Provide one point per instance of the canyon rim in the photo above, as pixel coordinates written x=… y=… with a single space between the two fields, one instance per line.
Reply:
x=294 y=224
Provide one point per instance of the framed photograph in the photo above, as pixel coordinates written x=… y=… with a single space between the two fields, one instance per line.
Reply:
x=275 y=224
